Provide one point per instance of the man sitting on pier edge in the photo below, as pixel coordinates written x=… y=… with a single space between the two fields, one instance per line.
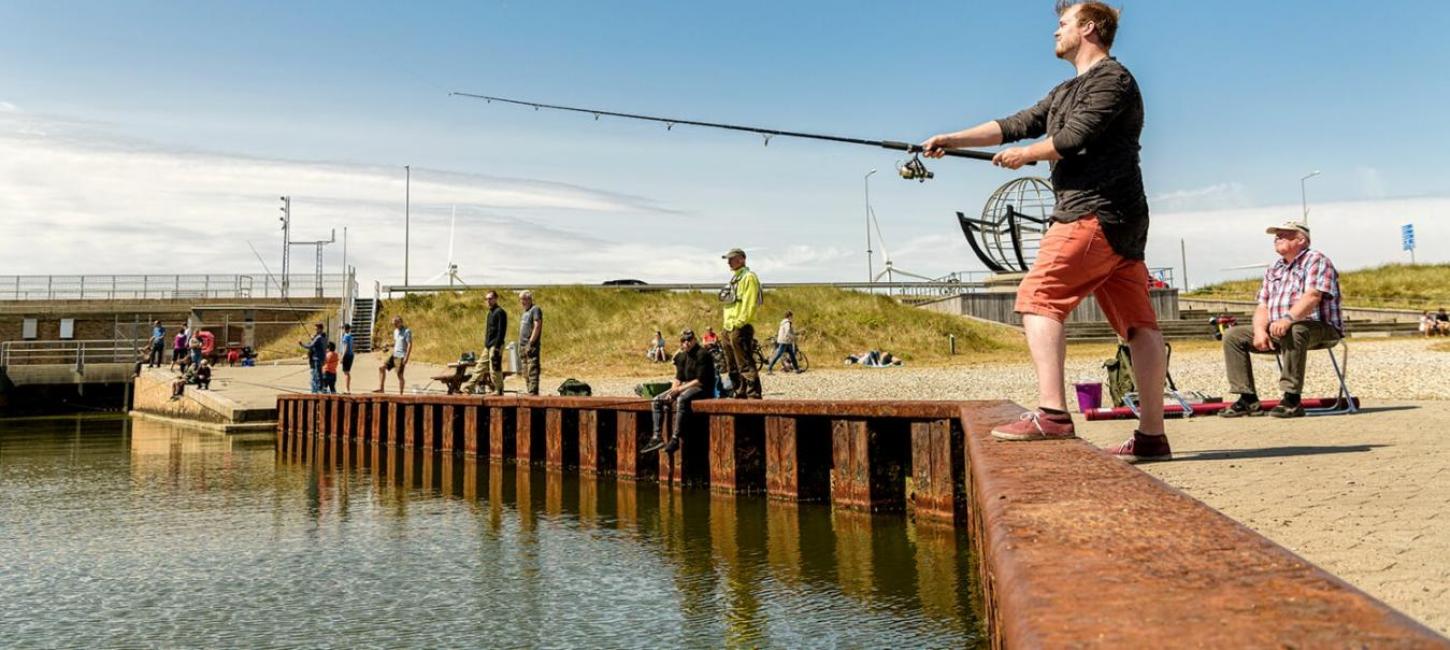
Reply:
x=694 y=379
x=1298 y=311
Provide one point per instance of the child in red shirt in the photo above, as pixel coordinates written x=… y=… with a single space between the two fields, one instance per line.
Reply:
x=329 y=369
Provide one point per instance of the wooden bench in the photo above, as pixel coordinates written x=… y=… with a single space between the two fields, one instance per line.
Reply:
x=453 y=381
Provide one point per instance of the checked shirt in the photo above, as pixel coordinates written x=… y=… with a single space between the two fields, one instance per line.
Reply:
x=1285 y=282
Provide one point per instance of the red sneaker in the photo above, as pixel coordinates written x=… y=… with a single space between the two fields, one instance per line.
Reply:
x=1037 y=425
x=1143 y=447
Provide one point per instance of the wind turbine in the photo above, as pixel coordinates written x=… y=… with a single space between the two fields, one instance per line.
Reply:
x=890 y=272
x=452 y=271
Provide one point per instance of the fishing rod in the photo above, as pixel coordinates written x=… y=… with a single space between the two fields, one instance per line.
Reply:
x=913 y=169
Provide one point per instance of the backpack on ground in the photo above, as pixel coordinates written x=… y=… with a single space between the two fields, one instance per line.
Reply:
x=1120 y=373
x=575 y=388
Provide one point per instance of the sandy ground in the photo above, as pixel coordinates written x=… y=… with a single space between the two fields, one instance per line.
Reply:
x=1366 y=497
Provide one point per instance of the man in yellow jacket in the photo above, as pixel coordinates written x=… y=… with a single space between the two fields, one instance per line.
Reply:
x=741 y=297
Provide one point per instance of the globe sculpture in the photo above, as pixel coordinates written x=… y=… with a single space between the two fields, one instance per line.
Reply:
x=1007 y=234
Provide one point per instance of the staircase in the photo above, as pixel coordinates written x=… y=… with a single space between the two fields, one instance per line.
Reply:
x=363 y=314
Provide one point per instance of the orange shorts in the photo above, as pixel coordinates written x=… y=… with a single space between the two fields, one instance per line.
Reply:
x=1075 y=260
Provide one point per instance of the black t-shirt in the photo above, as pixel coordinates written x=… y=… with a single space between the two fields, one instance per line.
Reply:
x=695 y=364
x=1094 y=121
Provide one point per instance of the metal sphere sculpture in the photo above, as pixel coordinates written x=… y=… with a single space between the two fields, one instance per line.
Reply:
x=1007 y=234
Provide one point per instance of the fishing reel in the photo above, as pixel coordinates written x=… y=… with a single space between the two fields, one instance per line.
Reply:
x=914 y=170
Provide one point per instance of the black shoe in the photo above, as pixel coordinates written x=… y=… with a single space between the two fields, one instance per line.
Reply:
x=1287 y=411
x=673 y=445
x=1241 y=409
x=653 y=445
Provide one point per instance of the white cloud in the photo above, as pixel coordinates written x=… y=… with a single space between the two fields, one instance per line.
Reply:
x=1220 y=196
x=78 y=202
x=1355 y=234
x=76 y=199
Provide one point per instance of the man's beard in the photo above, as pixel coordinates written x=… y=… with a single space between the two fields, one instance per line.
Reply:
x=1062 y=51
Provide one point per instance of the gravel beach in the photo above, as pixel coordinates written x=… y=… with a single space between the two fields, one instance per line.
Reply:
x=1379 y=369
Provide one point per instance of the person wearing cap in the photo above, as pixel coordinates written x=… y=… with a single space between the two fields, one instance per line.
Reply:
x=1090 y=127
x=1298 y=311
x=694 y=379
x=741 y=297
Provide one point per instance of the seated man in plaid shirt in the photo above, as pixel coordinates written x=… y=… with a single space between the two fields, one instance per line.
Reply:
x=1298 y=311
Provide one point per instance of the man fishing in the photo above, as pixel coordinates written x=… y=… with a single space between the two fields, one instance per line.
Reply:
x=1092 y=123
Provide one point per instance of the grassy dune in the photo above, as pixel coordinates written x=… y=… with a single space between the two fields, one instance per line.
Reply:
x=597 y=330
x=284 y=346
x=1393 y=286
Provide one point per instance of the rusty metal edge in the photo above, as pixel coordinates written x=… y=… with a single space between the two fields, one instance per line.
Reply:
x=915 y=409
x=1044 y=590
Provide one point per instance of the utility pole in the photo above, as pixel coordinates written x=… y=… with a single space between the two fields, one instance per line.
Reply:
x=407 y=216
x=870 y=271
x=317 y=287
x=287 y=245
x=1303 y=198
x=1183 y=253
x=286 y=241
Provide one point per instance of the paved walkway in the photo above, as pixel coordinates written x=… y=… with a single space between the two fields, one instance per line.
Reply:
x=260 y=385
x=1366 y=496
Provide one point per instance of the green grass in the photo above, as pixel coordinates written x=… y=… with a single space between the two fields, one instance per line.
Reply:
x=1393 y=286
x=284 y=346
x=597 y=330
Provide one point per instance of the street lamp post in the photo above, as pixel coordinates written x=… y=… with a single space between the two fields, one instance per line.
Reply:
x=407 y=213
x=867 y=181
x=1303 y=198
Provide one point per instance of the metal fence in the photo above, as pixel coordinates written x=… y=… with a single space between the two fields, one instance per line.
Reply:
x=78 y=353
x=168 y=287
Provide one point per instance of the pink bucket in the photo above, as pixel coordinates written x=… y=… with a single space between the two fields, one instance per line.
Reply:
x=1089 y=396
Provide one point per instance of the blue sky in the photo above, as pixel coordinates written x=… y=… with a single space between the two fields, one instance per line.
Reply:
x=127 y=119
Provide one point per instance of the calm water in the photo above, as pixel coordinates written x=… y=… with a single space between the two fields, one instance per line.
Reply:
x=124 y=534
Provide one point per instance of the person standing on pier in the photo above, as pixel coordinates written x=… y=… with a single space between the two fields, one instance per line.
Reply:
x=178 y=347
x=347 y=358
x=402 y=352
x=531 y=329
x=741 y=297
x=1093 y=122
x=490 y=373
x=158 y=343
x=316 y=355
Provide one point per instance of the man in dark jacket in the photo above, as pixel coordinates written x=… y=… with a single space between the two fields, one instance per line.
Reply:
x=1092 y=123
x=694 y=379
x=316 y=355
x=490 y=373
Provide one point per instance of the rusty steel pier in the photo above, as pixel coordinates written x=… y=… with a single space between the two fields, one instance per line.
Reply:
x=1073 y=548
x=872 y=456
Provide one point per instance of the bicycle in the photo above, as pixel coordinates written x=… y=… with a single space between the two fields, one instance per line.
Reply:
x=762 y=362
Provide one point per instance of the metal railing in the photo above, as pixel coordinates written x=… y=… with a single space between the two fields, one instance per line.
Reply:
x=77 y=353
x=166 y=287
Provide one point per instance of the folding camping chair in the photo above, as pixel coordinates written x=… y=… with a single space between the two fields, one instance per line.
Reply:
x=1130 y=399
x=1343 y=401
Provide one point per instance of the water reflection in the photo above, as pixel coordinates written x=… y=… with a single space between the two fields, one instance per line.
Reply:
x=404 y=548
